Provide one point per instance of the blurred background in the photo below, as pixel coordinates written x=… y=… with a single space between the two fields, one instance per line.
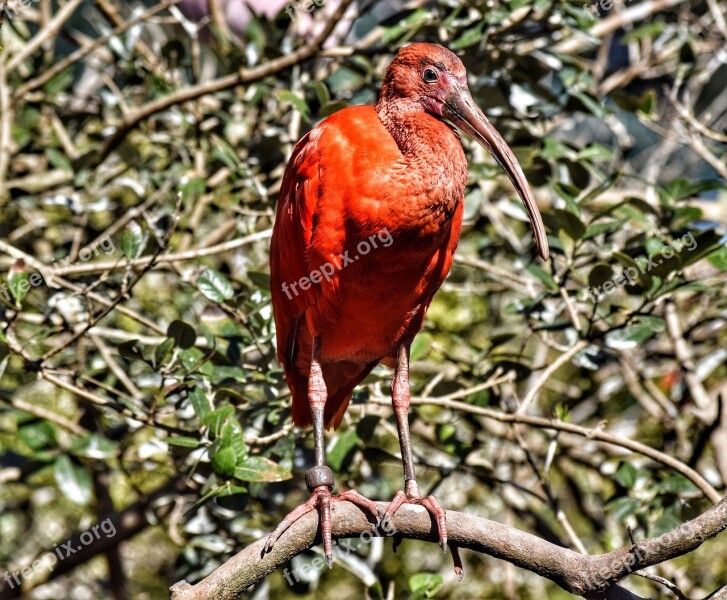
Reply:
x=143 y=414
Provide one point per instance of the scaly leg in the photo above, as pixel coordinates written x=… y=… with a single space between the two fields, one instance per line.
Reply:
x=319 y=479
x=411 y=494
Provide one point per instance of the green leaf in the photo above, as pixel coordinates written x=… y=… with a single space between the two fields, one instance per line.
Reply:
x=299 y=103
x=217 y=419
x=224 y=461
x=130 y=349
x=544 y=276
x=600 y=274
x=626 y=475
x=469 y=37
x=653 y=245
x=590 y=104
x=653 y=322
x=680 y=188
x=192 y=188
x=628 y=337
x=647 y=30
x=675 y=484
x=407 y=25
x=642 y=104
x=232 y=437
x=73 y=480
x=162 y=351
x=19 y=284
x=215 y=286
x=94 y=445
x=425 y=585
x=183 y=334
x=552 y=148
x=37 y=435
x=606 y=184
x=622 y=508
x=58 y=159
x=261 y=280
x=670 y=519
x=570 y=223
x=718 y=258
x=259 y=468
x=200 y=403
x=643 y=278
x=321 y=91
x=131 y=241
x=595 y=152
x=341 y=448
x=183 y=441
x=568 y=193
x=420 y=346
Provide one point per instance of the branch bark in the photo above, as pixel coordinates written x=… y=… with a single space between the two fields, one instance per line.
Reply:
x=593 y=577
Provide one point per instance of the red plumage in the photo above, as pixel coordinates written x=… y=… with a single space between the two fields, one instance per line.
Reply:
x=347 y=181
x=368 y=220
x=364 y=174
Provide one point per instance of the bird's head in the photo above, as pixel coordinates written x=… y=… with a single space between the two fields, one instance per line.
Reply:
x=433 y=79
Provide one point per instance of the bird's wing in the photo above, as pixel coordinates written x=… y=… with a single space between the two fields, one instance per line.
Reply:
x=302 y=247
x=291 y=239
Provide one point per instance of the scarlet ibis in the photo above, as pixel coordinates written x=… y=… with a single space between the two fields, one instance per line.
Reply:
x=368 y=219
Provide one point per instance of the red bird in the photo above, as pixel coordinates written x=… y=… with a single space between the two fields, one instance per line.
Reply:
x=368 y=220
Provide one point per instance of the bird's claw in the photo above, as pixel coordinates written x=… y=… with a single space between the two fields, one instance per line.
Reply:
x=457 y=559
x=440 y=516
x=432 y=506
x=321 y=499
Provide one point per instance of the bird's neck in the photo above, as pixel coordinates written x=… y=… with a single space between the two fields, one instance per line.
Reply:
x=415 y=131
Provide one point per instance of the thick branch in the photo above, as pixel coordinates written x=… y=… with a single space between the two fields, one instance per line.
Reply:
x=593 y=577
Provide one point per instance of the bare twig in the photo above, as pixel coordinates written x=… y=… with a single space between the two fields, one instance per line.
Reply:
x=593 y=434
x=548 y=373
x=81 y=53
x=44 y=34
x=244 y=76
x=707 y=407
x=101 y=267
x=51 y=278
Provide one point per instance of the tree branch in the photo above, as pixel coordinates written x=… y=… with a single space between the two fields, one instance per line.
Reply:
x=243 y=76
x=593 y=577
x=592 y=434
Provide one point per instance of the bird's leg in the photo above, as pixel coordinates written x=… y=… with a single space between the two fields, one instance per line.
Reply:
x=411 y=494
x=319 y=479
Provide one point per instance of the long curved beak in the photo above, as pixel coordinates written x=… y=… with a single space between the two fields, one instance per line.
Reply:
x=461 y=110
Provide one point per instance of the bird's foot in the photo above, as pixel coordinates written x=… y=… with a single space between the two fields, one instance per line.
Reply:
x=412 y=496
x=320 y=482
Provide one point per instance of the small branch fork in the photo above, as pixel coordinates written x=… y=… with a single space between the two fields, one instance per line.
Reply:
x=593 y=577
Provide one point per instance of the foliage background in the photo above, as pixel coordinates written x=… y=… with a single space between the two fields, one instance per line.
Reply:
x=169 y=404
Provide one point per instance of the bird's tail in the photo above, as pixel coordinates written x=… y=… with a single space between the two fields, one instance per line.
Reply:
x=340 y=378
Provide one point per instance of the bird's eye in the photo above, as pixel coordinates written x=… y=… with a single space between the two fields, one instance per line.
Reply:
x=429 y=75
